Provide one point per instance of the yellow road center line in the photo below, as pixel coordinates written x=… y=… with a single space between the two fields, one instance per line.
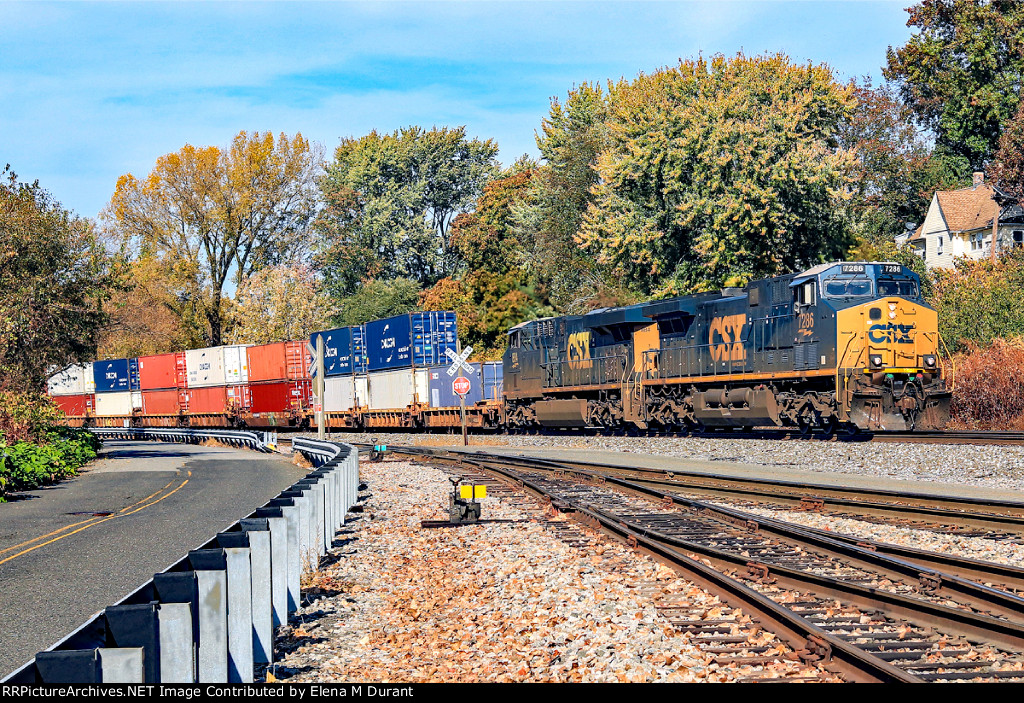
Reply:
x=94 y=518
x=111 y=517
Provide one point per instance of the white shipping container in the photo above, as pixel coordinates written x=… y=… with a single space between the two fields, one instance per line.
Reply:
x=392 y=390
x=236 y=364
x=117 y=404
x=339 y=393
x=343 y=393
x=217 y=366
x=74 y=380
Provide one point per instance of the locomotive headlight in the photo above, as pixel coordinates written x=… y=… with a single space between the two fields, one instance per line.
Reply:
x=876 y=361
x=929 y=361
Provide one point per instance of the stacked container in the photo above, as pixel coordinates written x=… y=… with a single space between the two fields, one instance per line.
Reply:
x=162 y=380
x=73 y=390
x=217 y=378
x=117 y=387
x=344 y=368
x=399 y=353
x=278 y=382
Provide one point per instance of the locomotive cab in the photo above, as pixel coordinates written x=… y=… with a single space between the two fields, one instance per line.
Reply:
x=888 y=372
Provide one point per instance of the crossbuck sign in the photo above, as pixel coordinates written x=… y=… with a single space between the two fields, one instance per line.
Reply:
x=459 y=361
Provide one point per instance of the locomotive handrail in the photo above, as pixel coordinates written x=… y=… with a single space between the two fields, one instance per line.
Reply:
x=260 y=441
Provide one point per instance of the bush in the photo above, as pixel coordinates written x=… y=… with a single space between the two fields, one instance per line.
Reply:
x=989 y=386
x=979 y=302
x=59 y=455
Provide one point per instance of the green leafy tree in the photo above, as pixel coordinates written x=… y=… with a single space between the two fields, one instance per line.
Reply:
x=389 y=202
x=720 y=172
x=548 y=220
x=376 y=300
x=961 y=72
x=54 y=279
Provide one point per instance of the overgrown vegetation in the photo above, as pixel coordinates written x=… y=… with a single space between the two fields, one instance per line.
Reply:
x=34 y=449
x=989 y=392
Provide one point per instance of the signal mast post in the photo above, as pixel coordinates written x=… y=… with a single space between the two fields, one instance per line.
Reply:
x=461 y=384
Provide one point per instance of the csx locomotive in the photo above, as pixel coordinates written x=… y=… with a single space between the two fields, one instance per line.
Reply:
x=841 y=345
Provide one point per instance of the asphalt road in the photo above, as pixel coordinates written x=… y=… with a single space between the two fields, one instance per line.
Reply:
x=68 y=551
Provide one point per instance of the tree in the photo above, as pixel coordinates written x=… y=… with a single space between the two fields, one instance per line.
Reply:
x=389 y=203
x=978 y=301
x=1008 y=170
x=895 y=172
x=961 y=72
x=277 y=304
x=209 y=215
x=54 y=278
x=549 y=218
x=150 y=314
x=376 y=300
x=720 y=172
x=495 y=290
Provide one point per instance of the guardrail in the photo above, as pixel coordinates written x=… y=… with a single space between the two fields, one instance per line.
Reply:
x=211 y=616
x=260 y=441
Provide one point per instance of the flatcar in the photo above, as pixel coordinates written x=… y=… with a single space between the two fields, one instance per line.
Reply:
x=846 y=344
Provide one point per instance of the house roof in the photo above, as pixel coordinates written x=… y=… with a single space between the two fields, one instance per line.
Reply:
x=967 y=209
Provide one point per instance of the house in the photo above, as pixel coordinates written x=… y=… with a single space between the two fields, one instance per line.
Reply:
x=959 y=223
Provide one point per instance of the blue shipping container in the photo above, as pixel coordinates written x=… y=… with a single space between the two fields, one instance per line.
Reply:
x=343 y=350
x=116 y=375
x=414 y=339
x=358 y=349
x=440 y=385
x=337 y=350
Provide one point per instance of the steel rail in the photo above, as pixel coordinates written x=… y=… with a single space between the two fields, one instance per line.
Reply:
x=795 y=630
x=951 y=620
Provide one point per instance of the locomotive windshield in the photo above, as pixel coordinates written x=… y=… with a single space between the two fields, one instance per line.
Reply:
x=847 y=287
x=893 y=286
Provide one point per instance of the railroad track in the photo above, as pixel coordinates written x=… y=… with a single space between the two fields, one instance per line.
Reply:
x=870 y=615
x=966 y=517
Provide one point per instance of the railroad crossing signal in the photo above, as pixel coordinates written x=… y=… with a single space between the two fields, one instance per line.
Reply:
x=311 y=364
x=459 y=361
x=461 y=385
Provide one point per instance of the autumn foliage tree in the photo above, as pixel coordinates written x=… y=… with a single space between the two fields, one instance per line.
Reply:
x=207 y=216
x=279 y=303
x=495 y=289
x=720 y=171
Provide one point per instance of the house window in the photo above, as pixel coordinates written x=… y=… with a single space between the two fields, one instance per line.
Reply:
x=1018 y=237
x=938 y=249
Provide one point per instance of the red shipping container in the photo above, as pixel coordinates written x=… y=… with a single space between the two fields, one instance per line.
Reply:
x=217 y=399
x=74 y=405
x=162 y=371
x=281 y=361
x=281 y=397
x=162 y=402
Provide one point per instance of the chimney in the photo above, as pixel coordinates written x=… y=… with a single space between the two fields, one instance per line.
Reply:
x=979 y=178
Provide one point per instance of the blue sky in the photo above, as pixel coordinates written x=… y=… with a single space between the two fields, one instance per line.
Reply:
x=89 y=91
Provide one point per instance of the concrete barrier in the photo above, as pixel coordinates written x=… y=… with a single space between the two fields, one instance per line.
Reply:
x=210 y=617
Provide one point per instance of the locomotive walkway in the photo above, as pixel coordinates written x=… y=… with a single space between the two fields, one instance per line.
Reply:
x=68 y=550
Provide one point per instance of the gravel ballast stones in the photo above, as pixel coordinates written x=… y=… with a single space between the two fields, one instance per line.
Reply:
x=500 y=601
